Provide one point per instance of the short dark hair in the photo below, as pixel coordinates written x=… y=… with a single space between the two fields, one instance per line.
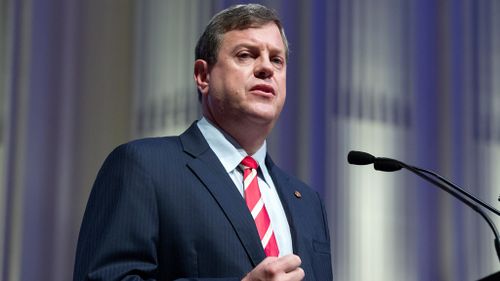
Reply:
x=232 y=18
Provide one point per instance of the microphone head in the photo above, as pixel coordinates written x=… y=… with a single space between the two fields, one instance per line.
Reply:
x=386 y=164
x=360 y=158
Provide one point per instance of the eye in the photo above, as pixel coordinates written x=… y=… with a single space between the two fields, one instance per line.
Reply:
x=279 y=61
x=244 y=55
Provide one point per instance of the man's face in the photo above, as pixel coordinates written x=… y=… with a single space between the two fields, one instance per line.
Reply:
x=248 y=81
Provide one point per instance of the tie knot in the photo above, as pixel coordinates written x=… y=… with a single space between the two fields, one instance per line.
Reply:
x=249 y=162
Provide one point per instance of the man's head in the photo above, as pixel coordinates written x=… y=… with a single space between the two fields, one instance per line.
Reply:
x=234 y=18
x=241 y=77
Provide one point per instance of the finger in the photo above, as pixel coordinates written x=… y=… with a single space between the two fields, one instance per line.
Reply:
x=297 y=274
x=288 y=263
x=264 y=270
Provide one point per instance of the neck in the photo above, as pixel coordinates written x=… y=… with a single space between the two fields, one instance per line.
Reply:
x=251 y=138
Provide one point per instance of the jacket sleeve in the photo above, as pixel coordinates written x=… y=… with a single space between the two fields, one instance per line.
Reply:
x=119 y=232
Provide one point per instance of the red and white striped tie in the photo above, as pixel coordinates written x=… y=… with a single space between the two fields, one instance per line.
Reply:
x=256 y=206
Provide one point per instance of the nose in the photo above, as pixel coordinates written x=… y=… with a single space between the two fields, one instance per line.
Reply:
x=264 y=68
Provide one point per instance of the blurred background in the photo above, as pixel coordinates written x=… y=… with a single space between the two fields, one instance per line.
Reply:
x=416 y=80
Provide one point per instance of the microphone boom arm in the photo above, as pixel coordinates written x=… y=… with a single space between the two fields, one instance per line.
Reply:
x=465 y=193
x=422 y=173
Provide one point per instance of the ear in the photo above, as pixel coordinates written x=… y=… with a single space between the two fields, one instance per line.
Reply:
x=201 y=76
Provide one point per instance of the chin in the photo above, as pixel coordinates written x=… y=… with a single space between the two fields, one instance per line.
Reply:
x=264 y=118
x=265 y=111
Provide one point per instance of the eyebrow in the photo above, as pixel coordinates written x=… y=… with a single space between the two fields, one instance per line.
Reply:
x=257 y=46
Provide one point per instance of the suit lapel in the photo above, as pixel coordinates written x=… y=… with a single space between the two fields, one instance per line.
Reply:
x=288 y=200
x=296 y=212
x=207 y=167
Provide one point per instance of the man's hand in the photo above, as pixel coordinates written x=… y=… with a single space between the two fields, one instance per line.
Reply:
x=277 y=269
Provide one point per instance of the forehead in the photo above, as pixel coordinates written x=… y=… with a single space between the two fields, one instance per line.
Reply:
x=268 y=36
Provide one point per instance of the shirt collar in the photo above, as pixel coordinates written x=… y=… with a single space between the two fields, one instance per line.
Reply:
x=229 y=152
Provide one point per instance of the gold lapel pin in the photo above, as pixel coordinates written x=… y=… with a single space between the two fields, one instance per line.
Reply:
x=297 y=194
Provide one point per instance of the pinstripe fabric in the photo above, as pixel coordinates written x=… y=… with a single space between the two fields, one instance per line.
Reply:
x=165 y=209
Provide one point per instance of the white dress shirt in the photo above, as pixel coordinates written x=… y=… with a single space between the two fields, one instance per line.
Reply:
x=231 y=154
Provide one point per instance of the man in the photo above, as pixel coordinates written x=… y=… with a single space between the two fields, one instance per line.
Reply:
x=210 y=204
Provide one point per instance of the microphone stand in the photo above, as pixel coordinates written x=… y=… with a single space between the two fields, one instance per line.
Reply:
x=380 y=163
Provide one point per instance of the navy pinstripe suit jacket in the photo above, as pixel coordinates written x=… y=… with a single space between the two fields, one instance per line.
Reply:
x=165 y=209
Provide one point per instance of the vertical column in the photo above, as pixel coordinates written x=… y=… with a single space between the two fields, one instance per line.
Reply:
x=17 y=42
x=4 y=18
x=165 y=97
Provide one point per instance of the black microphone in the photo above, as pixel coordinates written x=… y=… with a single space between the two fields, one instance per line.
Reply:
x=360 y=158
x=380 y=163
x=390 y=165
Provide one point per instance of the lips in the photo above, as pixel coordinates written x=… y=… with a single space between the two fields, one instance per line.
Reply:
x=267 y=89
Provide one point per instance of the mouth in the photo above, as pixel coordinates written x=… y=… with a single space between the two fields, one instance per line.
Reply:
x=263 y=89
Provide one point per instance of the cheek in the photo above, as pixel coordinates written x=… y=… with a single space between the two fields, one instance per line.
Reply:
x=219 y=85
x=282 y=87
x=281 y=80
x=231 y=81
